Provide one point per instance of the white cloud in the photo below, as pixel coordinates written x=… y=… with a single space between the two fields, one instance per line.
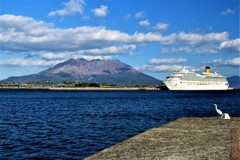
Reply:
x=113 y=50
x=140 y=14
x=100 y=12
x=144 y=23
x=52 y=56
x=227 y=12
x=194 y=38
x=156 y=61
x=88 y=57
x=70 y=8
x=95 y=57
x=21 y=34
x=128 y=16
x=86 y=18
x=182 y=38
x=234 y=62
x=103 y=53
x=231 y=45
x=161 y=26
x=161 y=68
x=207 y=48
x=86 y=54
x=177 y=50
x=24 y=34
x=27 y=62
x=204 y=49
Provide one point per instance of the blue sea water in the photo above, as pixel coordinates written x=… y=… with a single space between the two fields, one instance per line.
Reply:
x=77 y=124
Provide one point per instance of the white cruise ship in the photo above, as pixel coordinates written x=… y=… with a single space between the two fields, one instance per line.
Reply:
x=189 y=80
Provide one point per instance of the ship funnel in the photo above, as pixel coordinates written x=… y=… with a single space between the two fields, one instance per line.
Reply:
x=207 y=70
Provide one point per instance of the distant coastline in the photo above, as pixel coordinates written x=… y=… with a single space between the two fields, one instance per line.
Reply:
x=88 y=88
x=79 y=88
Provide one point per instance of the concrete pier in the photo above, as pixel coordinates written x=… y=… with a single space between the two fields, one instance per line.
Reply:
x=183 y=139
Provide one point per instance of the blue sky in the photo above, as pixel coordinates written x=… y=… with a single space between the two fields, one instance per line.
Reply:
x=154 y=36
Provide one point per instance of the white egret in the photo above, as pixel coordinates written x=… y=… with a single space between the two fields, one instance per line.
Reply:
x=220 y=113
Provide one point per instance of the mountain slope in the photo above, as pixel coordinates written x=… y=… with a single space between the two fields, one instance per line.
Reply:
x=95 y=71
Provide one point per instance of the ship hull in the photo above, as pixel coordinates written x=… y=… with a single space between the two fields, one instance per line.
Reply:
x=178 y=86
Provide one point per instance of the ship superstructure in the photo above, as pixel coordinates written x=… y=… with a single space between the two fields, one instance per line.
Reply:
x=189 y=80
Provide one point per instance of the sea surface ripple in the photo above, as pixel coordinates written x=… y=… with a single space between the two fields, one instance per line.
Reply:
x=76 y=124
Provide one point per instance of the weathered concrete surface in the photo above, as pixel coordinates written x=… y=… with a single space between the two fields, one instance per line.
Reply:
x=235 y=150
x=183 y=139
